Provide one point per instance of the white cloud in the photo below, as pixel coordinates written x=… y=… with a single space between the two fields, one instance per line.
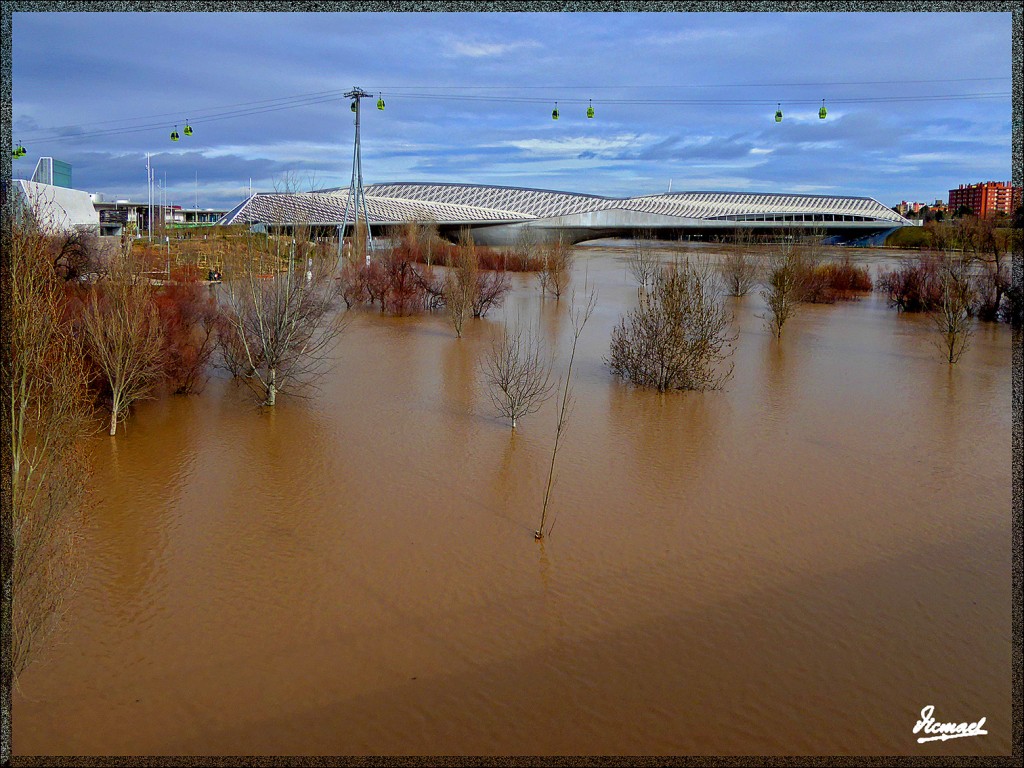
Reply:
x=478 y=49
x=810 y=189
x=691 y=36
x=293 y=150
x=934 y=157
x=577 y=144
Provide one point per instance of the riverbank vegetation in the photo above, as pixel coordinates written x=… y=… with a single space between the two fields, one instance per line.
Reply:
x=48 y=412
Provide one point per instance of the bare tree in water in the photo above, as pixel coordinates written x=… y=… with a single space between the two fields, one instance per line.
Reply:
x=643 y=262
x=282 y=320
x=517 y=370
x=952 y=315
x=579 y=317
x=556 y=271
x=123 y=336
x=678 y=336
x=47 y=410
x=740 y=267
x=460 y=284
x=783 y=286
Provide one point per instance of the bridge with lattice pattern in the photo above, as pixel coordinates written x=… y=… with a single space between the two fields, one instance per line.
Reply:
x=499 y=215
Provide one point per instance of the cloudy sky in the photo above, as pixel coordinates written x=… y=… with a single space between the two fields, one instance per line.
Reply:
x=917 y=103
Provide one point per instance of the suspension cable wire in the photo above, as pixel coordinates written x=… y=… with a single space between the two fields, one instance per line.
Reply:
x=733 y=102
x=329 y=95
x=634 y=86
x=405 y=89
x=163 y=124
x=292 y=102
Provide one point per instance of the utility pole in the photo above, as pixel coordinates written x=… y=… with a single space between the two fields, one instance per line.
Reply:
x=158 y=195
x=356 y=198
x=149 y=188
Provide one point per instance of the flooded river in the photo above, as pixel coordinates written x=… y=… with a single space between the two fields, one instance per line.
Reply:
x=797 y=564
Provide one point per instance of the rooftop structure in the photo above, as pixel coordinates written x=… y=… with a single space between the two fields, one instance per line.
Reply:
x=497 y=214
x=56 y=173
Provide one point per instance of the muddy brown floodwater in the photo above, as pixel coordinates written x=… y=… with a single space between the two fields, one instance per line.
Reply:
x=797 y=564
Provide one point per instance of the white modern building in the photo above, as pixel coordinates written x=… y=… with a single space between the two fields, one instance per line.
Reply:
x=497 y=215
x=57 y=209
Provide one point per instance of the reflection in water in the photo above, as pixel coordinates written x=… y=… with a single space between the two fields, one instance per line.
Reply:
x=785 y=566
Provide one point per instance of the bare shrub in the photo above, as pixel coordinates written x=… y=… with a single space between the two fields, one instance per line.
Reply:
x=678 y=336
x=952 y=313
x=234 y=352
x=188 y=320
x=47 y=411
x=783 y=288
x=432 y=286
x=123 y=336
x=281 y=323
x=556 y=267
x=517 y=371
x=351 y=284
x=915 y=285
x=460 y=282
x=418 y=240
x=525 y=254
x=643 y=262
x=990 y=285
x=491 y=288
x=829 y=281
x=741 y=269
x=401 y=289
x=76 y=254
x=740 y=272
x=844 y=277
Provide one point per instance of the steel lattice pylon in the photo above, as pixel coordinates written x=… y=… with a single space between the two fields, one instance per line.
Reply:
x=356 y=198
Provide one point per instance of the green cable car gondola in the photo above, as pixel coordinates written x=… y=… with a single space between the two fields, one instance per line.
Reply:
x=590 y=109
x=380 y=101
x=352 y=106
x=21 y=150
x=822 y=112
x=778 y=114
x=554 y=112
x=174 y=134
x=188 y=129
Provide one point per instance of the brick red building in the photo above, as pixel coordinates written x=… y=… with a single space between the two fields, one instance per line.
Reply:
x=987 y=198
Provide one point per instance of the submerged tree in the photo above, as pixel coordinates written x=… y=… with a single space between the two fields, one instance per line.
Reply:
x=952 y=315
x=678 y=335
x=783 y=287
x=47 y=411
x=122 y=332
x=740 y=269
x=517 y=370
x=643 y=262
x=281 y=317
x=460 y=284
x=556 y=270
x=579 y=317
